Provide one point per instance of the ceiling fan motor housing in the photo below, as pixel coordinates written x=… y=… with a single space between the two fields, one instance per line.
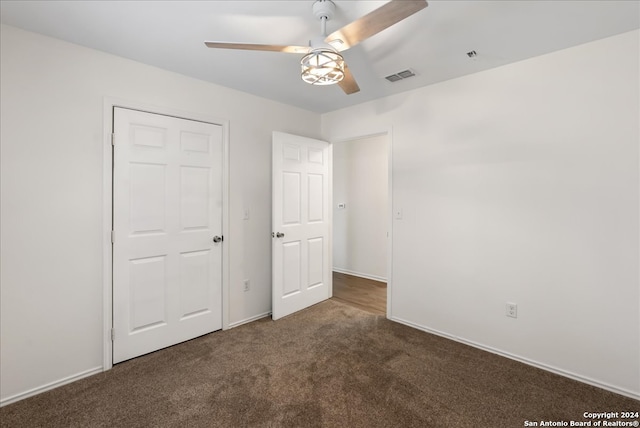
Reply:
x=324 y=9
x=319 y=43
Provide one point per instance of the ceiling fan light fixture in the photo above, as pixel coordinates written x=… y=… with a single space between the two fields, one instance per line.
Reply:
x=322 y=67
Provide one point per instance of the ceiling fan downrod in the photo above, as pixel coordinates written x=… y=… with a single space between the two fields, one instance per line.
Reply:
x=324 y=11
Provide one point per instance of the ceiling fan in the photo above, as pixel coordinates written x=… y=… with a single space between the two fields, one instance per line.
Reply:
x=322 y=63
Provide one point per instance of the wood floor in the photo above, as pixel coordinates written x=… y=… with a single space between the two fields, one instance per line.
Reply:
x=362 y=293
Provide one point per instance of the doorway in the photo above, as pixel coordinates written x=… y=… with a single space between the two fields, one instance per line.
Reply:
x=361 y=183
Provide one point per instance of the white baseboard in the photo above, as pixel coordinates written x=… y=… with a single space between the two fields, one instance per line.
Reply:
x=248 y=320
x=561 y=372
x=49 y=386
x=91 y=372
x=360 y=274
x=579 y=378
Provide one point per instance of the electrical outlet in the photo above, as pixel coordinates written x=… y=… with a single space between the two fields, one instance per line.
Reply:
x=247 y=285
x=512 y=310
x=245 y=215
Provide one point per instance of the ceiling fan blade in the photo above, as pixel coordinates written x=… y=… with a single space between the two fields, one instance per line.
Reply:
x=348 y=83
x=258 y=47
x=373 y=23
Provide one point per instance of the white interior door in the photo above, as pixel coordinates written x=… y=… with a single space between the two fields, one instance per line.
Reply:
x=301 y=223
x=167 y=209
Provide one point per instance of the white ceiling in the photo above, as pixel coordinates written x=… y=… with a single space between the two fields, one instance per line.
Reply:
x=433 y=42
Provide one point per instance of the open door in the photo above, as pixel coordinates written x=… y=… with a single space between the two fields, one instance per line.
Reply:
x=301 y=223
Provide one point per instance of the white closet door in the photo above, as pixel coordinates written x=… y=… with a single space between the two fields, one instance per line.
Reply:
x=167 y=203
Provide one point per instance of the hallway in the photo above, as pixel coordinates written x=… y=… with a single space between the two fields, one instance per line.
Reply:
x=362 y=293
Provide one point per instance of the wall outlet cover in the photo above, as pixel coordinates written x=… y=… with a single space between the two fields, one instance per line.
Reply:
x=511 y=310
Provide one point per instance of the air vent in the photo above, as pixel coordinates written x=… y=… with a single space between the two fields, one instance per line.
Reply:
x=406 y=73
x=400 y=75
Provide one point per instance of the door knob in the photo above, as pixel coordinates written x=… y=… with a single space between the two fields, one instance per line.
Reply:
x=279 y=235
x=217 y=239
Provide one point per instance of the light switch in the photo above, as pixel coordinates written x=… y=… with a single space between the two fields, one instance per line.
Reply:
x=397 y=213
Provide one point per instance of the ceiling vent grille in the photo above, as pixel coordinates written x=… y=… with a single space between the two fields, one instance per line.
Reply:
x=400 y=75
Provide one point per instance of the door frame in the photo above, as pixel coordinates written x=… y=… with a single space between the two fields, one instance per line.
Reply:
x=107 y=209
x=359 y=136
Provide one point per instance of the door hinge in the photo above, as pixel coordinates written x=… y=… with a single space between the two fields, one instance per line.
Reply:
x=113 y=334
x=113 y=139
x=113 y=237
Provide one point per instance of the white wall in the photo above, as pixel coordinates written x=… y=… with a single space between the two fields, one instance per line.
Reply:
x=51 y=178
x=521 y=184
x=361 y=181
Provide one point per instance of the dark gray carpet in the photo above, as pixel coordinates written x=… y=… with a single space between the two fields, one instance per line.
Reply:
x=328 y=366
